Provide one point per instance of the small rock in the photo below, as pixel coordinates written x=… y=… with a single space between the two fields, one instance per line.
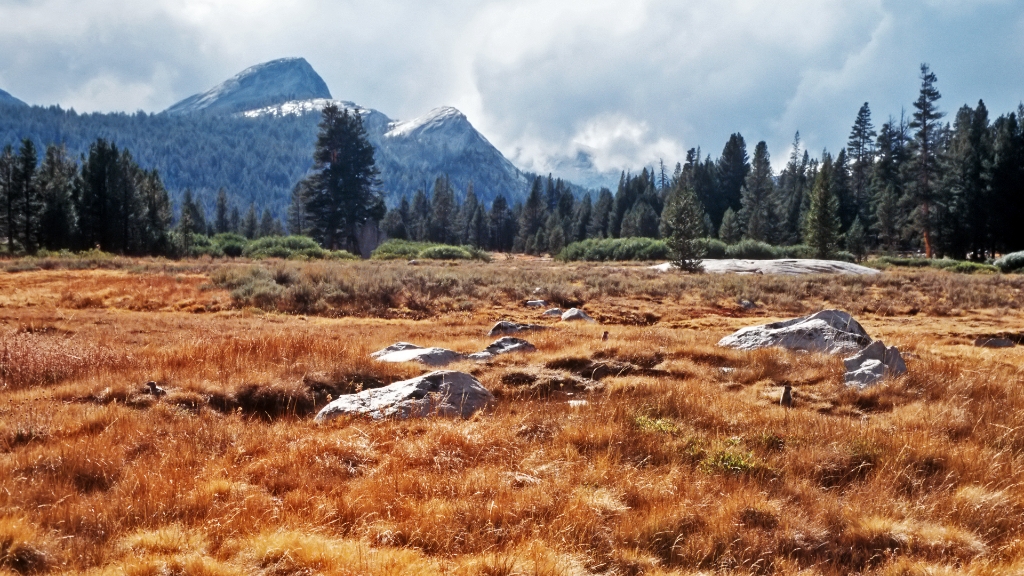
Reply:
x=576 y=314
x=747 y=305
x=831 y=331
x=155 y=390
x=508 y=327
x=536 y=303
x=873 y=364
x=504 y=345
x=441 y=393
x=577 y=403
x=406 y=352
x=552 y=312
x=413 y=262
x=987 y=342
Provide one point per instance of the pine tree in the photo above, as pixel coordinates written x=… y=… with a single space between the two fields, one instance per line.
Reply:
x=757 y=216
x=1007 y=182
x=192 y=214
x=556 y=235
x=821 y=229
x=888 y=220
x=861 y=149
x=683 y=228
x=790 y=194
x=964 y=202
x=418 y=223
x=533 y=217
x=856 y=240
x=56 y=183
x=340 y=192
x=466 y=214
x=925 y=164
x=730 y=231
x=625 y=197
x=600 y=215
x=444 y=213
x=298 y=218
x=502 y=225
x=7 y=163
x=27 y=203
x=266 y=227
x=250 y=226
x=235 y=221
x=158 y=214
x=730 y=174
x=581 y=219
x=221 y=224
x=393 y=225
x=842 y=188
x=640 y=222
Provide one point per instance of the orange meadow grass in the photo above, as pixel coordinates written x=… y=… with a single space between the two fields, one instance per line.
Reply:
x=672 y=465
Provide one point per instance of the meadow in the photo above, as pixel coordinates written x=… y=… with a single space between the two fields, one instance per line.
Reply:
x=654 y=452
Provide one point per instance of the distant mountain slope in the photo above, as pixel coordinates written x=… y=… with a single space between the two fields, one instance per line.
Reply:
x=412 y=154
x=261 y=85
x=7 y=100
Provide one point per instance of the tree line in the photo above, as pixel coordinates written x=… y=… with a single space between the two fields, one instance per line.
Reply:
x=104 y=200
x=914 y=184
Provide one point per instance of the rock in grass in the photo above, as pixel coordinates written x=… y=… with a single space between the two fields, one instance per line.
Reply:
x=831 y=331
x=553 y=312
x=873 y=364
x=573 y=314
x=504 y=345
x=506 y=327
x=989 y=342
x=441 y=393
x=536 y=303
x=406 y=352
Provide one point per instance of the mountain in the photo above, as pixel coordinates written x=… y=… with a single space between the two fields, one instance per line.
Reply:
x=412 y=154
x=265 y=84
x=8 y=100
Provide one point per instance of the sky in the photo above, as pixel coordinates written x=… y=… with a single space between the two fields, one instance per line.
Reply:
x=554 y=84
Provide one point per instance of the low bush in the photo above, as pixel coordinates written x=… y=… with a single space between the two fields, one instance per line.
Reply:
x=408 y=250
x=753 y=250
x=957 y=266
x=291 y=247
x=1012 y=262
x=714 y=248
x=615 y=249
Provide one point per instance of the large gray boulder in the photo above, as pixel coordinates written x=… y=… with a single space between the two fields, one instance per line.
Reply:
x=506 y=327
x=873 y=364
x=504 y=345
x=785 y=267
x=406 y=352
x=576 y=314
x=441 y=393
x=830 y=331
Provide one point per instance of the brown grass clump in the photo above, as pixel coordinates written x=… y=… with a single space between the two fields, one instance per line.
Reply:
x=654 y=452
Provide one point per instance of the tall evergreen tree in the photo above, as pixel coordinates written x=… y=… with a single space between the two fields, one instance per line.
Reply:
x=418 y=223
x=27 y=202
x=221 y=224
x=790 y=194
x=7 y=166
x=158 y=214
x=625 y=197
x=299 y=222
x=444 y=213
x=601 y=215
x=250 y=225
x=682 y=225
x=965 y=215
x=1007 y=182
x=821 y=228
x=888 y=218
x=57 y=179
x=888 y=184
x=340 y=192
x=861 y=150
x=532 y=218
x=925 y=164
x=502 y=225
x=757 y=217
x=393 y=225
x=581 y=219
x=842 y=188
x=730 y=231
x=267 y=227
x=731 y=172
x=641 y=221
x=192 y=215
x=235 y=220
x=466 y=214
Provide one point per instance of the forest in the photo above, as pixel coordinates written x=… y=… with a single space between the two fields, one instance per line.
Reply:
x=919 y=184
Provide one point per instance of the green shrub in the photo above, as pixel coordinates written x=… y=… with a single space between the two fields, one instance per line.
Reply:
x=753 y=250
x=615 y=249
x=1012 y=262
x=965 y=267
x=443 y=252
x=956 y=266
x=714 y=248
x=801 y=251
x=231 y=245
x=408 y=250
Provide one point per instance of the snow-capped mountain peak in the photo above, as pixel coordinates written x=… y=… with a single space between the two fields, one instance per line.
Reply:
x=262 y=85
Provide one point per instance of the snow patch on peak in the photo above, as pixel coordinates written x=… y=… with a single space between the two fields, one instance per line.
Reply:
x=437 y=119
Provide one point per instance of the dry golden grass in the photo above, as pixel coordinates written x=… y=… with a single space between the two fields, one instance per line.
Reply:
x=670 y=466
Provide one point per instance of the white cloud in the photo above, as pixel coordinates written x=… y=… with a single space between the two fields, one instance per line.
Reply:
x=624 y=82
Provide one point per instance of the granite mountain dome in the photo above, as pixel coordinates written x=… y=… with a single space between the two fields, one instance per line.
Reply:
x=265 y=84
